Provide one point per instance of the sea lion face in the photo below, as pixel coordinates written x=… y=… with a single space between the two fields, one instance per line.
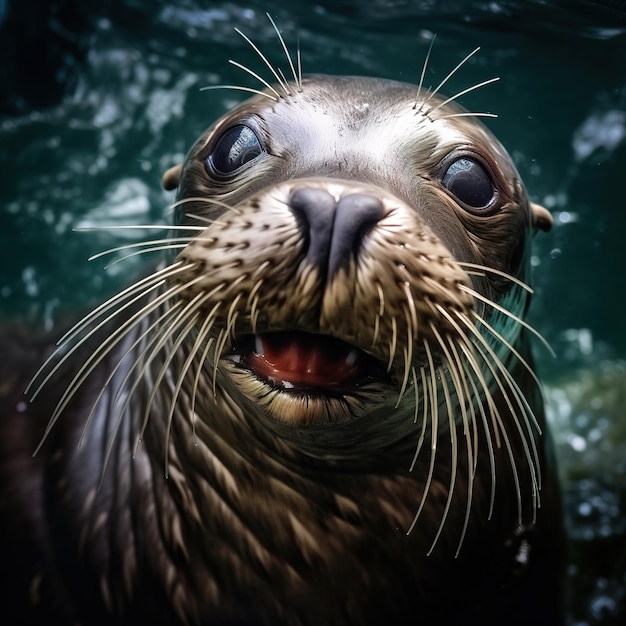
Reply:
x=348 y=234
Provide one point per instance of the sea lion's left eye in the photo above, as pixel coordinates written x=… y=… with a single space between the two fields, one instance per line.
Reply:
x=236 y=147
x=468 y=181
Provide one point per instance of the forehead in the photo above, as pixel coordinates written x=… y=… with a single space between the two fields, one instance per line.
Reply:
x=376 y=130
x=340 y=117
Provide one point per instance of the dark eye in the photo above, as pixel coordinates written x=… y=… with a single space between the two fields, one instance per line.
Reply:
x=236 y=147
x=469 y=182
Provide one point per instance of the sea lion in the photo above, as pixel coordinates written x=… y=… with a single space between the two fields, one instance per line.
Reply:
x=321 y=409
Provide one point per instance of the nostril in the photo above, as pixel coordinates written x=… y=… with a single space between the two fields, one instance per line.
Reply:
x=314 y=209
x=312 y=203
x=355 y=216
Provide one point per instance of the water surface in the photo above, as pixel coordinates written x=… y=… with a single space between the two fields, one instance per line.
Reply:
x=115 y=99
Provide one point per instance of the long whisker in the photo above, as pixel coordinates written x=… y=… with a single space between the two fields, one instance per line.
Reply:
x=91 y=317
x=179 y=246
x=281 y=82
x=140 y=287
x=299 y=62
x=453 y=464
x=423 y=74
x=284 y=45
x=164 y=368
x=411 y=326
x=434 y=412
x=526 y=412
x=379 y=313
x=514 y=351
x=209 y=202
x=450 y=74
x=155 y=324
x=160 y=332
x=195 y=349
x=139 y=244
x=202 y=334
x=80 y=229
x=467 y=348
x=462 y=93
x=95 y=358
x=460 y=383
x=393 y=343
x=164 y=334
x=469 y=114
x=448 y=347
x=425 y=400
x=220 y=342
x=508 y=314
x=258 y=92
x=255 y=75
x=485 y=269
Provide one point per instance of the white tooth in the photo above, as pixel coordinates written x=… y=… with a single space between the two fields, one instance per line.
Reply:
x=259 y=348
x=352 y=356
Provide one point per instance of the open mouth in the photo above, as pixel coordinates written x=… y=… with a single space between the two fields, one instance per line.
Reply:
x=307 y=362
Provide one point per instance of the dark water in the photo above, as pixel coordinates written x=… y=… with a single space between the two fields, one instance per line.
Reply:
x=96 y=102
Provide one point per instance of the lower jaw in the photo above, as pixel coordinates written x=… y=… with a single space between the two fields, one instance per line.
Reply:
x=300 y=405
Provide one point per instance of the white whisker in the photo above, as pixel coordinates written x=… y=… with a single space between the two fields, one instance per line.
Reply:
x=296 y=76
x=462 y=93
x=179 y=246
x=181 y=377
x=508 y=313
x=164 y=334
x=299 y=62
x=461 y=394
x=450 y=74
x=515 y=352
x=80 y=229
x=469 y=114
x=205 y=218
x=434 y=412
x=453 y=464
x=411 y=326
x=202 y=334
x=130 y=246
x=423 y=74
x=219 y=347
x=255 y=75
x=258 y=92
x=94 y=359
x=526 y=412
x=281 y=82
x=393 y=343
x=460 y=383
x=109 y=448
x=72 y=333
x=140 y=287
x=485 y=269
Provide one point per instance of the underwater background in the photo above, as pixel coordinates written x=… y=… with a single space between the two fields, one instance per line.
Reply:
x=98 y=99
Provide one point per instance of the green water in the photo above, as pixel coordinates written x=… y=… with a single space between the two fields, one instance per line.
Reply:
x=86 y=144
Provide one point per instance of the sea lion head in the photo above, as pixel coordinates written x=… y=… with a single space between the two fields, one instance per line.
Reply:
x=351 y=235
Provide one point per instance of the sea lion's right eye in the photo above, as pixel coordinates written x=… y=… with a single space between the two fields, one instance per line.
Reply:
x=238 y=146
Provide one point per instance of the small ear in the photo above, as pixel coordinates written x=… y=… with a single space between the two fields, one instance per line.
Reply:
x=171 y=178
x=541 y=217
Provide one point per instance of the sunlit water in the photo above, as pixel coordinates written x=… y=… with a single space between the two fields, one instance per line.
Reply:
x=134 y=105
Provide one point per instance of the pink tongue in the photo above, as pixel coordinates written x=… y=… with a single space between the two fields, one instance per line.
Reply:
x=301 y=359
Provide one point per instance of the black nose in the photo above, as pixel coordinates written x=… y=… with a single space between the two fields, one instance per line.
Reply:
x=335 y=230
